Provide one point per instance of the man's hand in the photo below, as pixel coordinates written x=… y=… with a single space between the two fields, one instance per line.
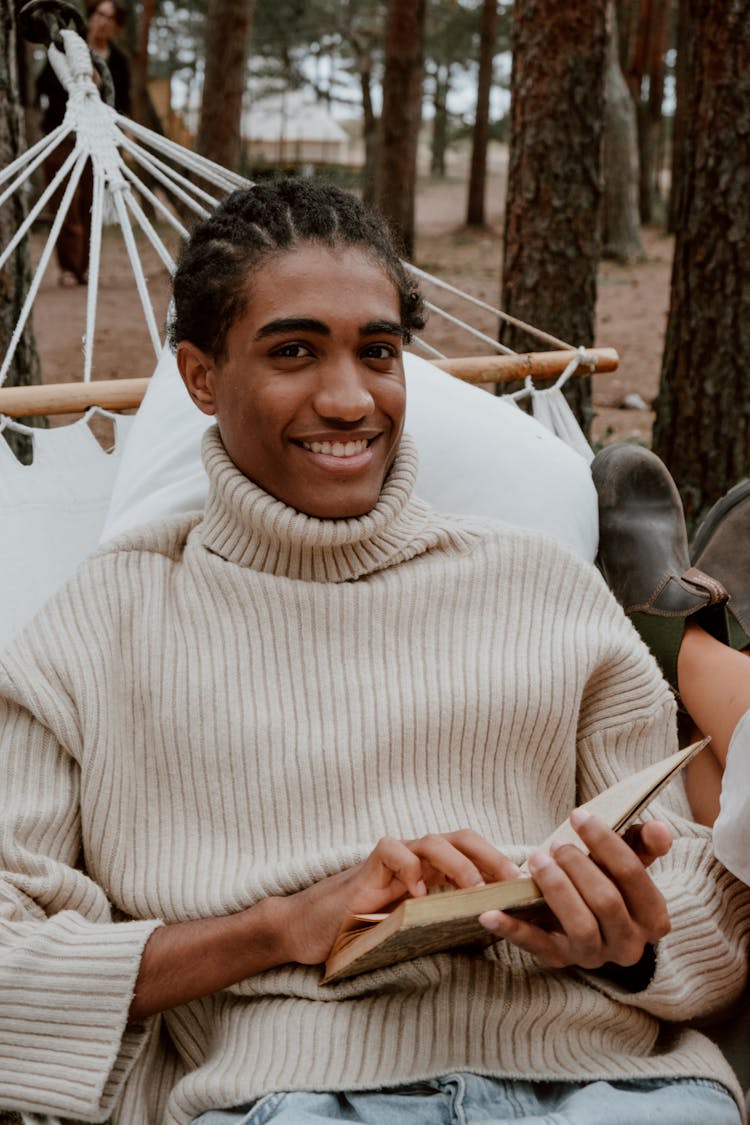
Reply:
x=607 y=906
x=393 y=869
x=185 y=960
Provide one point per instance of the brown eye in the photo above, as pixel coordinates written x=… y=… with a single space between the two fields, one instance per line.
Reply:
x=379 y=351
x=291 y=351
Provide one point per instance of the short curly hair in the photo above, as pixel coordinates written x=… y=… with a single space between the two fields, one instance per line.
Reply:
x=257 y=223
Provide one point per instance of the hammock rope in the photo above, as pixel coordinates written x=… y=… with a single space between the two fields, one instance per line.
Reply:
x=106 y=138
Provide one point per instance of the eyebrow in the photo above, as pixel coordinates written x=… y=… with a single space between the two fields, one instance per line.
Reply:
x=309 y=324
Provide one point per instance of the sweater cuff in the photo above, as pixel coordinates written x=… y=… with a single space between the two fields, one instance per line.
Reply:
x=66 y=986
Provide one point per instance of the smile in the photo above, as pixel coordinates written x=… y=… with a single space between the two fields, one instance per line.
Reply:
x=336 y=448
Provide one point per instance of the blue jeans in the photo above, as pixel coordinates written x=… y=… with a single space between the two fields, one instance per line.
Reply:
x=466 y=1099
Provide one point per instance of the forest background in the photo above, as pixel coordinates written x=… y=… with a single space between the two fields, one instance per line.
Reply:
x=547 y=156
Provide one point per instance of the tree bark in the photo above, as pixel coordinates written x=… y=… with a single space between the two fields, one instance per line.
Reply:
x=645 y=78
x=228 y=28
x=15 y=277
x=702 y=427
x=363 y=59
x=440 y=120
x=552 y=210
x=396 y=172
x=139 y=66
x=477 y=178
x=683 y=83
x=369 y=135
x=650 y=188
x=621 y=232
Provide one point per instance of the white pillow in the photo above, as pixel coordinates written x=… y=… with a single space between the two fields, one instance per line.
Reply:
x=478 y=455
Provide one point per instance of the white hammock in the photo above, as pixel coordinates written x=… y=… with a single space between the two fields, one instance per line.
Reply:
x=105 y=137
x=54 y=510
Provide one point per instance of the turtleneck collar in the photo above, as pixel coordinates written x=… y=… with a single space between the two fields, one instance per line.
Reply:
x=247 y=526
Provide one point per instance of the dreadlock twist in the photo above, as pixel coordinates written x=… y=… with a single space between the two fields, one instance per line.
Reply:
x=254 y=224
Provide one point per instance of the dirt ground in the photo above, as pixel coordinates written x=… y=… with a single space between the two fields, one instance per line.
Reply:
x=631 y=314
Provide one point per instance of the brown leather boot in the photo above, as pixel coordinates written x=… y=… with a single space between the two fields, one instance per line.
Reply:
x=722 y=547
x=643 y=552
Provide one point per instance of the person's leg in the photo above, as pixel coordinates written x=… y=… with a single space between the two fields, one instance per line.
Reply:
x=478 y=1100
x=68 y=240
x=420 y=1103
x=714 y=685
x=670 y=1102
x=471 y=1099
x=703 y=780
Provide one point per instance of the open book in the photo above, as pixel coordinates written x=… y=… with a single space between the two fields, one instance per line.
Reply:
x=448 y=919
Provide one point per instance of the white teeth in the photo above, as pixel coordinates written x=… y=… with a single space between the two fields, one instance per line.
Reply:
x=336 y=448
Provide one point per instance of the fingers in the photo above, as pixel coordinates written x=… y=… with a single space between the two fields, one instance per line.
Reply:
x=492 y=864
x=393 y=862
x=592 y=917
x=551 y=948
x=625 y=868
x=462 y=858
x=606 y=904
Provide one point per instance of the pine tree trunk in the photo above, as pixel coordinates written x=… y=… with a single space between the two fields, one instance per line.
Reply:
x=228 y=27
x=15 y=277
x=370 y=137
x=645 y=77
x=621 y=232
x=702 y=427
x=478 y=175
x=552 y=210
x=652 y=123
x=396 y=174
x=683 y=83
x=440 y=121
x=139 y=66
x=361 y=49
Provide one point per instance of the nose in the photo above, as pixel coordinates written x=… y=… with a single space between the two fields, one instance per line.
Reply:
x=342 y=392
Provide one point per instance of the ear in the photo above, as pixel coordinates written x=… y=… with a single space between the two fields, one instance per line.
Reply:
x=198 y=374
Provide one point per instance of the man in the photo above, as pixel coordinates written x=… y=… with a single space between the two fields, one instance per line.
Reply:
x=232 y=730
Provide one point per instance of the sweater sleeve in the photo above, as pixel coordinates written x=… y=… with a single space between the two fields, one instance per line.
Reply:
x=627 y=721
x=67 y=968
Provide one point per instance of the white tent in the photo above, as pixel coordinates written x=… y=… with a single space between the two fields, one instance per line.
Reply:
x=286 y=127
x=291 y=127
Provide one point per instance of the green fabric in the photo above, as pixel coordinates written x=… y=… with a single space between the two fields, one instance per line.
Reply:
x=738 y=638
x=663 y=636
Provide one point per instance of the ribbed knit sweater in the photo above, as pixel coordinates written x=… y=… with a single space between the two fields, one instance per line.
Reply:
x=223 y=708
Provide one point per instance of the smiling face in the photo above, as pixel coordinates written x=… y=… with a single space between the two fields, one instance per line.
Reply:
x=309 y=395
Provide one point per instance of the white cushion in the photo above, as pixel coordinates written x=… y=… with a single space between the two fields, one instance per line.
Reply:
x=479 y=455
x=52 y=513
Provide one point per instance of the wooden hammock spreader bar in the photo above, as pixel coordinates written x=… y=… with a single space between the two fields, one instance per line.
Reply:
x=72 y=398
x=539 y=365
x=126 y=394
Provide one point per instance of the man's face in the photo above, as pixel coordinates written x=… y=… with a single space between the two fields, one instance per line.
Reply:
x=310 y=396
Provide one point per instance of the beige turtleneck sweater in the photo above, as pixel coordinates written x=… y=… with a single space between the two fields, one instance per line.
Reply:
x=220 y=709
